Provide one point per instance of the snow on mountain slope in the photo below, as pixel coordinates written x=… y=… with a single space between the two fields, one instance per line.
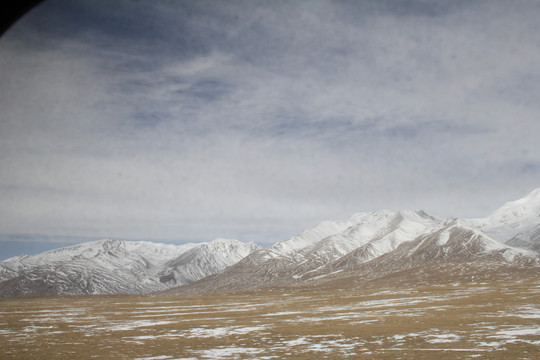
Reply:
x=311 y=236
x=205 y=260
x=158 y=254
x=511 y=219
x=454 y=242
x=117 y=252
x=458 y=242
x=373 y=235
x=336 y=238
x=527 y=239
x=402 y=227
x=110 y=267
x=326 y=237
x=305 y=254
x=367 y=246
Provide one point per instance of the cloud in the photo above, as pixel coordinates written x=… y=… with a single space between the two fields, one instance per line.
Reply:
x=193 y=120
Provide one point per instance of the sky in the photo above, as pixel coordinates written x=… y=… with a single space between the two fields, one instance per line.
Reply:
x=184 y=121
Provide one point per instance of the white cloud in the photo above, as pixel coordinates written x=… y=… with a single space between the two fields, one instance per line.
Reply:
x=266 y=123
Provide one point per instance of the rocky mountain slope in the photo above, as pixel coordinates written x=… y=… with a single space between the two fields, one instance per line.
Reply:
x=117 y=267
x=378 y=244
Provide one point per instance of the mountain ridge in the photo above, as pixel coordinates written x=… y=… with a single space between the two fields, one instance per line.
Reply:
x=365 y=246
x=115 y=267
x=389 y=241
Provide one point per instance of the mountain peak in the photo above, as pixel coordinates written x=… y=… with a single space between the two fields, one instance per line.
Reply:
x=528 y=205
x=367 y=244
x=513 y=218
x=117 y=267
x=415 y=215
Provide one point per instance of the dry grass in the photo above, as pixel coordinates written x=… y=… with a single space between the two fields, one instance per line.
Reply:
x=496 y=320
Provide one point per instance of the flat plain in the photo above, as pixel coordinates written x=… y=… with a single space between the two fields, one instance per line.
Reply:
x=482 y=320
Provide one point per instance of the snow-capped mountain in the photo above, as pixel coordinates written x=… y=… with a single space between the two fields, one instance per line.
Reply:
x=116 y=267
x=367 y=246
x=313 y=249
x=398 y=228
x=205 y=259
x=378 y=243
x=455 y=252
x=515 y=223
x=369 y=235
x=333 y=238
x=453 y=242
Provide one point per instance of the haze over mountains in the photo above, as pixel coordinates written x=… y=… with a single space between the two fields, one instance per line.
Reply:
x=375 y=246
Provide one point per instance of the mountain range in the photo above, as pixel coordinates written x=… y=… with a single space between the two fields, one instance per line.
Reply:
x=117 y=267
x=407 y=246
x=382 y=247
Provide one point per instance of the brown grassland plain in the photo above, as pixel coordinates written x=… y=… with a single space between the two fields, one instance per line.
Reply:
x=493 y=320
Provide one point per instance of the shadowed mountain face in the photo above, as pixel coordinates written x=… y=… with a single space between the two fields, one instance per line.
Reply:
x=527 y=239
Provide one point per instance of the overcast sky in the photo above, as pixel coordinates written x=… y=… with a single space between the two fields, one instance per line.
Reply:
x=190 y=120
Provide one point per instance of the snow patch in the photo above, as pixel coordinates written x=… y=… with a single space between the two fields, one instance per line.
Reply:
x=223 y=331
x=227 y=352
